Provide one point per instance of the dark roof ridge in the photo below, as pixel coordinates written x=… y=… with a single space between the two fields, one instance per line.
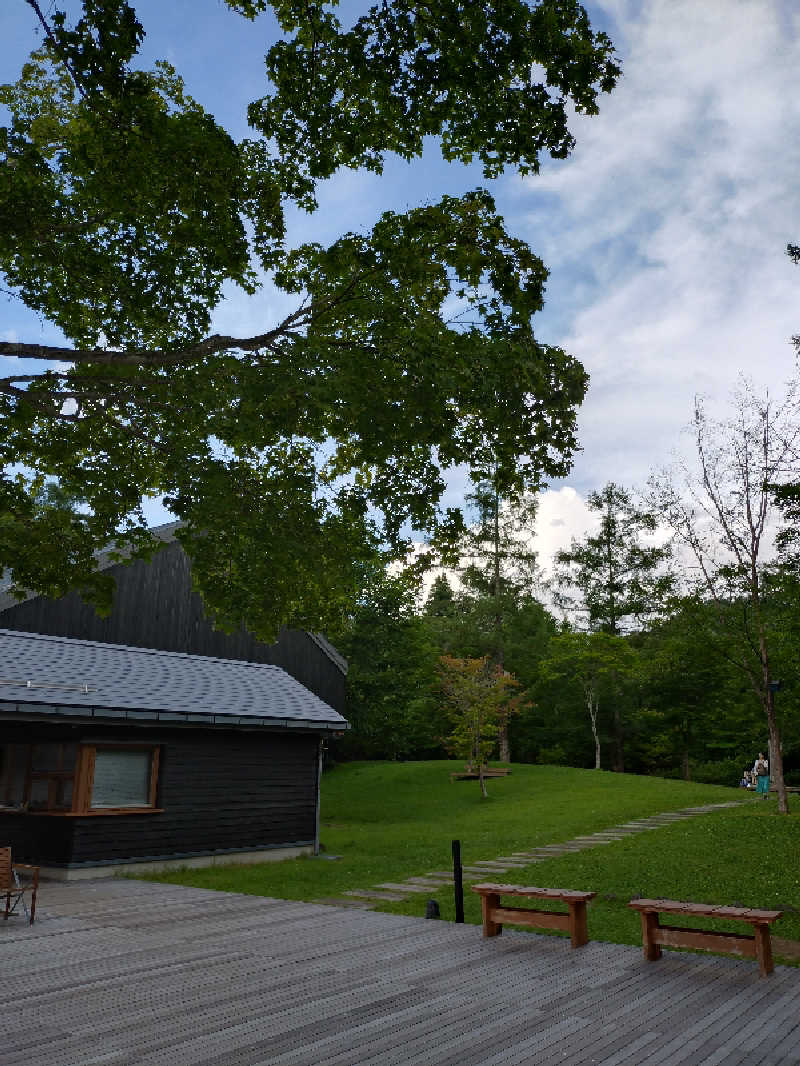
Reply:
x=333 y=653
x=166 y=533
x=139 y=650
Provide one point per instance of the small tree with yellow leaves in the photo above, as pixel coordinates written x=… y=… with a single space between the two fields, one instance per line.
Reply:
x=479 y=697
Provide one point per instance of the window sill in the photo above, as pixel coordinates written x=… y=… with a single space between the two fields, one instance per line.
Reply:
x=84 y=814
x=101 y=812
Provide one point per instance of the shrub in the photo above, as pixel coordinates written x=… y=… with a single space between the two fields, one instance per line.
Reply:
x=721 y=772
x=555 y=756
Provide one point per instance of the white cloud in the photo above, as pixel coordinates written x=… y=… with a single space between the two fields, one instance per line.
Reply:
x=667 y=227
x=563 y=516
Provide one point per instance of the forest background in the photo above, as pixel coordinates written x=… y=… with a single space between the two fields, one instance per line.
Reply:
x=622 y=657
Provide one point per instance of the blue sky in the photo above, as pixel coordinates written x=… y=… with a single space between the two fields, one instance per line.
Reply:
x=665 y=232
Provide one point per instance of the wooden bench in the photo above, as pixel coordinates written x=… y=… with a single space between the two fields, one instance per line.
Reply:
x=654 y=935
x=573 y=922
x=473 y=775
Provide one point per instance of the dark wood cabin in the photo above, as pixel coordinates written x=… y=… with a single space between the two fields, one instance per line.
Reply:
x=113 y=755
x=155 y=606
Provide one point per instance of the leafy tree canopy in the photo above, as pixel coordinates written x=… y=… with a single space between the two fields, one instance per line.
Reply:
x=126 y=208
x=478 y=696
x=612 y=577
x=392 y=675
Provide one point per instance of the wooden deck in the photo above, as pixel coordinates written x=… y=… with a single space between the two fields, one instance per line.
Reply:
x=125 y=973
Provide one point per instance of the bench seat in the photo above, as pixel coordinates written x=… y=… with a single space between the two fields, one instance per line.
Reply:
x=474 y=775
x=755 y=946
x=495 y=914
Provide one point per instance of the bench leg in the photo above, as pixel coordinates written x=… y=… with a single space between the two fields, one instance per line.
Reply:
x=578 y=926
x=488 y=903
x=763 y=949
x=650 y=924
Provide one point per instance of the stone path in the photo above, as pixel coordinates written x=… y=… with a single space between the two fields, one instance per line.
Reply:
x=395 y=891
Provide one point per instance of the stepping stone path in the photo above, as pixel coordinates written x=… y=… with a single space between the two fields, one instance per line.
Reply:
x=395 y=891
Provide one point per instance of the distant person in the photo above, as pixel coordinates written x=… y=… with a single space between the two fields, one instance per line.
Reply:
x=761 y=770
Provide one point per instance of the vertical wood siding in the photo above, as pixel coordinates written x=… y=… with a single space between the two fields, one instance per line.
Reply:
x=155 y=606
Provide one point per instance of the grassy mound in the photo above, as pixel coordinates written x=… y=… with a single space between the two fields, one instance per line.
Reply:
x=389 y=821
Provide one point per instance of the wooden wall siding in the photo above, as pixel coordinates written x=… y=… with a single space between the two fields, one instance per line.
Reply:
x=36 y=839
x=155 y=606
x=219 y=790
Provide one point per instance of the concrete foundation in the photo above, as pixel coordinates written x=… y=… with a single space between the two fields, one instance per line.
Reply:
x=229 y=858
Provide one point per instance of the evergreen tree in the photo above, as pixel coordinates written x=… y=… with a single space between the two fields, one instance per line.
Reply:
x=499 y=571
x=613 y=579
x=392 y=677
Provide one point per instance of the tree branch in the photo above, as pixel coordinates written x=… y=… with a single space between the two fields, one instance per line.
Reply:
x=152 y=357
x=54 y=43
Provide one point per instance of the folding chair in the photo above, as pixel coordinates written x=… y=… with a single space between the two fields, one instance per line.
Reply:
x=13 y=888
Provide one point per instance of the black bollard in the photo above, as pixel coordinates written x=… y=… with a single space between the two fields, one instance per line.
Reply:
x=458 y=885
x=432 y=909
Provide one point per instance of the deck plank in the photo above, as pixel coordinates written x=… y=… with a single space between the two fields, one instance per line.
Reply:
x=129 y=973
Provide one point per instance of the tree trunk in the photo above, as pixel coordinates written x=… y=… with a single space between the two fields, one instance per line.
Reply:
x=499 y=651
x=686 y=742
x=619 y=742
x=768 y=701
x=591 y=706
x=776 y=761
x=482 y=782
x=502 y=739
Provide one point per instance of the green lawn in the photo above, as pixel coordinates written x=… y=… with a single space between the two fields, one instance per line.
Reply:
x=389 y=821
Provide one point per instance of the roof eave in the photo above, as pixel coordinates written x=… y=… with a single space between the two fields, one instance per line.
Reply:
x=11 y=711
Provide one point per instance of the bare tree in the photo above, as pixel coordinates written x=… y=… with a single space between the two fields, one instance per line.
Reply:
x=721 y=509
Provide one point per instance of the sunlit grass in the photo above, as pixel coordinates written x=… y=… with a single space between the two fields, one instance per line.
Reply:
x=389 y=821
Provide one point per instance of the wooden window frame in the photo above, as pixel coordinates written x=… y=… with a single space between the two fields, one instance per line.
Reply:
x=56 y=779
x=82 y=778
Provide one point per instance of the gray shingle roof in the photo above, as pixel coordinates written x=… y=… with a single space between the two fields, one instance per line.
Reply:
x=66 y=676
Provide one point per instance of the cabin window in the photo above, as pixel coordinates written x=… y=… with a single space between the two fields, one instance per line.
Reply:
x=116 y=778
x=68 y=778
x=37 y=777
x=121 y=778
x=13 y=774
x=52 y=776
